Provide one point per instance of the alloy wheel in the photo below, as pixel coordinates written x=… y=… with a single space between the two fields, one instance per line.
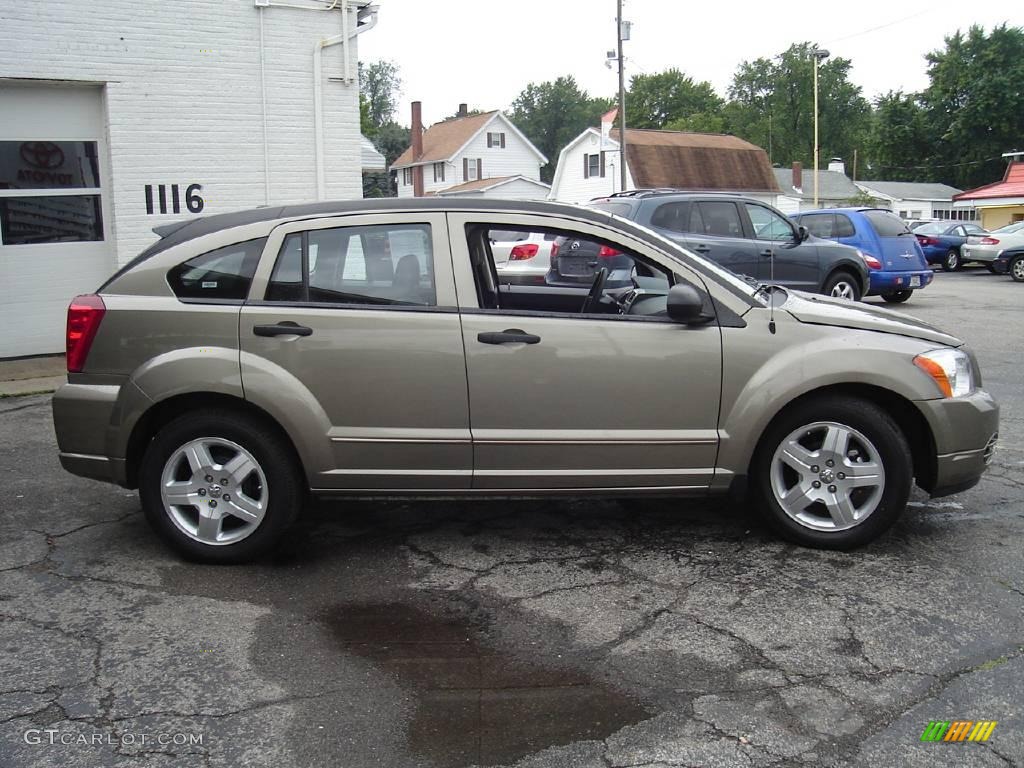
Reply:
x=827 y=476
x=952 y=260
x=1017 y=270
x=214 y=491
x=843 y=290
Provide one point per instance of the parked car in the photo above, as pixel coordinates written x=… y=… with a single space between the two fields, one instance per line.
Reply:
x=743 y=235
x=913 y=224
x=987 y=247
x=226 y=399
x=896 y=262
x=521 y=257
x=941 y=242
x=1011 y=261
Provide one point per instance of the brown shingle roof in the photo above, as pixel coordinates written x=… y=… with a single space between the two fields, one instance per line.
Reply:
x=700 y=161
x=442 y=140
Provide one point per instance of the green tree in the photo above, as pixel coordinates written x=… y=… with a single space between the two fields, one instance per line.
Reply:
x=655 y=101
x=553 y=113
x=975 y=103
x=900 y=142
x=379 y=88
x=772 y=105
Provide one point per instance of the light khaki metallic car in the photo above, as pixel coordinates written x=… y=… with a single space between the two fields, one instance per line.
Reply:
x=368 y=348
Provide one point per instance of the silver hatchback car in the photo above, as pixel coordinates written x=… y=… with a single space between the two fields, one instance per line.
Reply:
x=246 y=359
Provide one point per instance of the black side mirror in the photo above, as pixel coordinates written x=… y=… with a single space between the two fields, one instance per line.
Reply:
x=685 y=305
x=802 y=233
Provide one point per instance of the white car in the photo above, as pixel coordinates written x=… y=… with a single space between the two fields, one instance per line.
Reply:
x=521 y=258
x=986 y=247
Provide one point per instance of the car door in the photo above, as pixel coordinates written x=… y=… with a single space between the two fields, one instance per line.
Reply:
x=716 y=232
x=351 y=337
x=563 y=400
x=785 y=258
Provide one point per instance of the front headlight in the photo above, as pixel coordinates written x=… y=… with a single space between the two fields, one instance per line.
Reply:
x=950 y=369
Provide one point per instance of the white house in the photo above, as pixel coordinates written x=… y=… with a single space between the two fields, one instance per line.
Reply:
x=119 y=117
x=482 y=154
x=834 y=188
x=914 y=200
x=588 y=167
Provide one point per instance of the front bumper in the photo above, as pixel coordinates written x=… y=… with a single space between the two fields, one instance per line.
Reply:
x=965 y=430
x=884 y=281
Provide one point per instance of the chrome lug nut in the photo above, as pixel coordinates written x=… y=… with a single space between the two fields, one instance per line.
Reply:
x=830 y=463
x=816 y=484
x=831 y=489
x=223 y=481
x=213 y=503
x=815 y=469
x=227 y=497
x=841 y=475
x=202 y=491
x=209 y=478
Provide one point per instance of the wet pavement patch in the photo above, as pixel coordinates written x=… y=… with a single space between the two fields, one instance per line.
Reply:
x=477 y=705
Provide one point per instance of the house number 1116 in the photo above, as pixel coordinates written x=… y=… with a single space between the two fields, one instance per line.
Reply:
x=171 y=198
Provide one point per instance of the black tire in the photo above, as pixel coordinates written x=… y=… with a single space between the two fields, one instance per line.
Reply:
x=992 y=268
x=842 y=278
x=1016 y=268
x=951 y=261
x=285 y=483
x=878 y=427
x=897 y=297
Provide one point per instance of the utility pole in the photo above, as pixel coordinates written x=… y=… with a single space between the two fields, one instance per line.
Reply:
x=819 y=54
x=622 y=97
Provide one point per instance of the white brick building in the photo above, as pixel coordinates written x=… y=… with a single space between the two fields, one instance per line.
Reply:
x=120 y=116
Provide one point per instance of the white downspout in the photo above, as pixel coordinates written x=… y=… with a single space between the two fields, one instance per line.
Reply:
x=347 y=33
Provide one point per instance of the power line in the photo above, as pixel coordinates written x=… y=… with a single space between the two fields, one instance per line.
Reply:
x=930 y=165
x=880 y=26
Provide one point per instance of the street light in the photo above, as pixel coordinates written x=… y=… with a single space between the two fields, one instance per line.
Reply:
x=819 y=54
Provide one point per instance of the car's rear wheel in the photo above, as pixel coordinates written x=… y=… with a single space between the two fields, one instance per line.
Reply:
x=992 y=268
x=951 y=261
x=897 y=297
x=842 y=285
x=833 y=472
x=219 y=486
x=1016 y=269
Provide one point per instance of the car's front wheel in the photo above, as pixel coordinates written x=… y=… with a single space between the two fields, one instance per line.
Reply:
x=1016 y=269
x=897 y=297
x=842 y=285
x=951 y=261
x=833 y=472
x=219 y=486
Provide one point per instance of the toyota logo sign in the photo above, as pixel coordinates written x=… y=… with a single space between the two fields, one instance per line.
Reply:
x=44 y=155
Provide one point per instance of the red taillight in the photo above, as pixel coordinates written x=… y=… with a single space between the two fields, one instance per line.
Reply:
x=554 y=250
x=607 y=253
x=84 y=316
x=872 y=262
x=925 y=240
x=990 y=241
x=523 y=252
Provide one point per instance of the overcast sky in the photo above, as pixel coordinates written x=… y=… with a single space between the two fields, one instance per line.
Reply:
x=485 y=53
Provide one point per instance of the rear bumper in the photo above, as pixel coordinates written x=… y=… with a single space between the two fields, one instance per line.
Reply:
x=83 y=419
x=935 y=254
x=884 y=281
x=965 y=431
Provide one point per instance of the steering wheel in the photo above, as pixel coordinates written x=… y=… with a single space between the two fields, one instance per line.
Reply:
x=596 y=290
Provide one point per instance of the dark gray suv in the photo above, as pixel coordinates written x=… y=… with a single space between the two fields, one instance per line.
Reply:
x=745 y=236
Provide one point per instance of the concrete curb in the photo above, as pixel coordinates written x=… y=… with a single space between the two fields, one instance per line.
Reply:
x=34 y=386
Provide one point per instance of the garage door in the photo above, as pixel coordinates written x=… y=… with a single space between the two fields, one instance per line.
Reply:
x=55 y=229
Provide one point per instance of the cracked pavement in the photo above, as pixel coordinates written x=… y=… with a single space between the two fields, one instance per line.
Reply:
x=557 y=633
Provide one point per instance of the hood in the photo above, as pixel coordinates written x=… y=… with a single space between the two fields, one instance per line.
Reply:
x=824 y=310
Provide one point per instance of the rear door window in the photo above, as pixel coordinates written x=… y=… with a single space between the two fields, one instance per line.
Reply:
x=221 y=274
x=844 y=227
x=820 y=224
x=672 y=216
x=721 y=218
x=356 y=265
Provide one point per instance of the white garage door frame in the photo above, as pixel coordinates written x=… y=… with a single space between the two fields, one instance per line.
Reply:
x=38 y=279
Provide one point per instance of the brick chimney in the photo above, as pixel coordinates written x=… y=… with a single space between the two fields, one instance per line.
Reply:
x=417 y=148
x=798 y=176
x=463 y=110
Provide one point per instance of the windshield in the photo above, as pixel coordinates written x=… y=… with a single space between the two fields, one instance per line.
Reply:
x=1009 y=229
x=746 y=287
x=887 y=224
x=936 y=228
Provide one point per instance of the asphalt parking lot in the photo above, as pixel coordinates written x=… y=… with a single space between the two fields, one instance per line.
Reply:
x=563 y=633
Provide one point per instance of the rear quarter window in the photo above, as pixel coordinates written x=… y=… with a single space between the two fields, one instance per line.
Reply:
x=619 y=209
x=886 y=224
x=221 y=274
